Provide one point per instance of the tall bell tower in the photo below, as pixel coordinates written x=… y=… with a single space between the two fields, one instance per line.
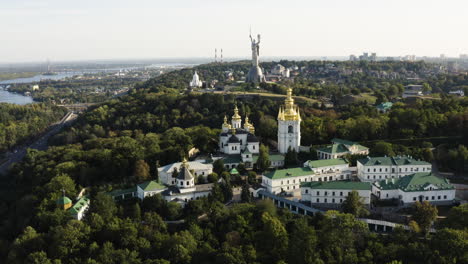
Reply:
x=289 y=125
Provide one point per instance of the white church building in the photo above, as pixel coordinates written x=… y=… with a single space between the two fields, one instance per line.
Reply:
x=289 y=125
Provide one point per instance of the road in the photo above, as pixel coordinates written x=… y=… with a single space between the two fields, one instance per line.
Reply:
x=39 y=144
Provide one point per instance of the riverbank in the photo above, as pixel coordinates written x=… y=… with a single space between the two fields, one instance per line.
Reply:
x=17 y=75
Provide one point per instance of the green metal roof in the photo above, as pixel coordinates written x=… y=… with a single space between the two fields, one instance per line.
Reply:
x=232 y=159
x=151 y=185
x=246 y=151
x=326 y=162
x=338 y=185
x=63 y=200
x=387 y=161
x=342 y=141
x=385 y=106
x=83 y=201
x=120 y=192
x=287 y=173
x=415 y=182
x=234 y=171
x=340 y=146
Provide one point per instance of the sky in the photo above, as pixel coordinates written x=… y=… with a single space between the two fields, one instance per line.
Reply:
x=60 y=30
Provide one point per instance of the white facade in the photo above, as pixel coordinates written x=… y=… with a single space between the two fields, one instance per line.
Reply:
x=196 y=82
x=288 y=185
x=415 y=187
x=234 y=139
x=289 y=125
x=199 y=167
x=289 y=135
x=369 y=169
x=332 y=196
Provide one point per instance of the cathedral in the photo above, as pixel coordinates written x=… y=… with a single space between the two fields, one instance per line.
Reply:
x=235 y=139
x=239 y=144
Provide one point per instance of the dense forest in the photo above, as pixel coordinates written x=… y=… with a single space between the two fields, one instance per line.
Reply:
x=19 y=123
x=156 y=124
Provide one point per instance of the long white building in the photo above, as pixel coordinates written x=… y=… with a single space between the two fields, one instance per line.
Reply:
x=333 y=194
x=199 y=167
x=373 y=169
x=421 y=186
x=329 y=169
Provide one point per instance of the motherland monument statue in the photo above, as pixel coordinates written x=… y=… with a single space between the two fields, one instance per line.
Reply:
x=255 y=74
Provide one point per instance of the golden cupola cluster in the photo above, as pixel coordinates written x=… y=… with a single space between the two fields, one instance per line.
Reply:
x=289 y=111
x=235 y=123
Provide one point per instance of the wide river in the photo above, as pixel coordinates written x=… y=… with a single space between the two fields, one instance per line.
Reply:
x=14 y=98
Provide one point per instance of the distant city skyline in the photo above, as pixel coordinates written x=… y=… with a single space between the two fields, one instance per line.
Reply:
x=37 y=30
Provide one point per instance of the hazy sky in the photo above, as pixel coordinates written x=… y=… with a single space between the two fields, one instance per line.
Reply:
x=34 y=30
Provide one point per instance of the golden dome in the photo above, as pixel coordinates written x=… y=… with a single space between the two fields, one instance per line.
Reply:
x=236 y=115
x=290 y=111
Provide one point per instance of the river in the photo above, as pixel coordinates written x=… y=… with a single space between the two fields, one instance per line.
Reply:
x=14 y=98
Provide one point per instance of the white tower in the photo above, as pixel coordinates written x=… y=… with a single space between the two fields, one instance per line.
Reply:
x=289 y=125
x=236 y=119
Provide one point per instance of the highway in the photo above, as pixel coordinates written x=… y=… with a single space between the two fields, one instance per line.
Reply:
x=40 y=144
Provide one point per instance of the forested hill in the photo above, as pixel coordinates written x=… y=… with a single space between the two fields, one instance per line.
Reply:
x=152 y=126
x=19 y=123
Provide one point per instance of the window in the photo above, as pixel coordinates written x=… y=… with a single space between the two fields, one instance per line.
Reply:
x=318 y=200
x=380 y=169
x=386 y=195
x=438 y=197
x=333 y=200
x=182 y=183
x=318 y=193
x=341 y=200
x=188 y=183
x=281 y=182
x=427 y=198
x=253 y=146
x=247 y=156
x=325 y=200
x=445 y=196
x=326 y=193
x=333 y=193
x=375 y=170
x=414 y=198
x=432 y=198
x=368 y=170
x=341 y=193
x=368 y=177
x=290 y=129
x=306 y=191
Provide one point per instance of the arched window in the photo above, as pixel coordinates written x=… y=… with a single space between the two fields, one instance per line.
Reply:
x=290 y=129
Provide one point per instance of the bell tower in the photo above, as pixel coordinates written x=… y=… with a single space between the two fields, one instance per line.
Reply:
x=289 y=125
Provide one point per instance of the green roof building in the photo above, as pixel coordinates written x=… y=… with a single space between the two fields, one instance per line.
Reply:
x=286 y=180
x=421 y=186
x=79 y=209
x=373 y=169
x=341 y=147
x=334 y=193
x=384 y=107
x=149 y=188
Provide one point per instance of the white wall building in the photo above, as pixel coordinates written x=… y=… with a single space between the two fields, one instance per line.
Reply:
x=373 y=169
x=199 y=167
x=340 y=148
x=421 y=186
x=149 y=188
x=334 y=193
x=286 y=180
x=330 y=169
x=289 y=125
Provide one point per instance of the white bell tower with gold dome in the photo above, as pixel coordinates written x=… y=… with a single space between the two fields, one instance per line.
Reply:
x=289 y=125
